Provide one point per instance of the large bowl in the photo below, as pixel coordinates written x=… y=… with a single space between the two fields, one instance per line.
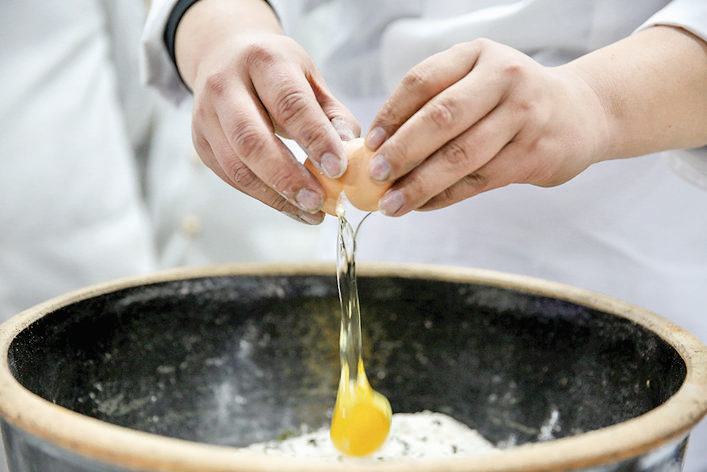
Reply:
x=178 y=371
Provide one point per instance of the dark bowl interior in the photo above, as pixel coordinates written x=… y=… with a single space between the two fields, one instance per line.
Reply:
x=233 y=360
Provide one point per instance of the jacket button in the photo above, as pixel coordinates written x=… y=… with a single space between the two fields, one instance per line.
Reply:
x=191 y=225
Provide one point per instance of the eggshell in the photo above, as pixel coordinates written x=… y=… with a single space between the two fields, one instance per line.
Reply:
x=332 y=187
x=360 y=190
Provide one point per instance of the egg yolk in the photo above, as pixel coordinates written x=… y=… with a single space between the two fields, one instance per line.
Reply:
x=362 y=417
x=356 y=184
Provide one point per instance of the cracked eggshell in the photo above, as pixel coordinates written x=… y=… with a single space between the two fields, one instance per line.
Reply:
x=360 y=190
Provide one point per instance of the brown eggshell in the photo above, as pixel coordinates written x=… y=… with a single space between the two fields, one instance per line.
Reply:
x=360 y=190
x=332 y=187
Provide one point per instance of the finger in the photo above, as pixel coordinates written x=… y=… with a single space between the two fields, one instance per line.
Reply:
x=520 y=161
x=421 y=83
x=291 y=102
x=242 y=178
x=343 y=121
x=246 y=181
x=440 y=120
x=245 y=147
x=460 y=157
x=504 y=169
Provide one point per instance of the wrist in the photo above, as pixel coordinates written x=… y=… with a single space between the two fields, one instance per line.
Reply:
x=652 y=89
x=195 y=26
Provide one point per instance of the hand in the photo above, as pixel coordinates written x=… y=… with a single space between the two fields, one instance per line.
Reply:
x=481 y=116
x=250 y=85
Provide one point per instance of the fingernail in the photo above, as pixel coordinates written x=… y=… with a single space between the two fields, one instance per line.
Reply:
x=379 y=168
x=332 y=166
x=306 y=218
x=309 y=200
x=343 y=129
x=310 y=218
x=375 y=137
x=391 y=202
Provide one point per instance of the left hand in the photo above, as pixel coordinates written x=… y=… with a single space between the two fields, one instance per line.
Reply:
x=479 y=116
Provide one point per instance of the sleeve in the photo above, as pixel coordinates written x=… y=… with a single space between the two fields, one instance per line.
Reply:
x=690 y=164
x=156 y=67
x=691 y=15
x=688 y=14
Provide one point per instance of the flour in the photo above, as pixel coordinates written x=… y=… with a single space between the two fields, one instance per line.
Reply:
x=423 y=435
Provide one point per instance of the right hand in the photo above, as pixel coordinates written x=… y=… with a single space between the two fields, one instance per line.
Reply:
x=250 y=83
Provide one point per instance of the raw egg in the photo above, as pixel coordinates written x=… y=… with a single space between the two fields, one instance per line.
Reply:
x=361 y=420
x=362 y=416
x=360 y=190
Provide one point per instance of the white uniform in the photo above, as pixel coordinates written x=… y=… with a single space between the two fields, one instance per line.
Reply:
x=633 y=228
x=71 y=211
x=81 y=202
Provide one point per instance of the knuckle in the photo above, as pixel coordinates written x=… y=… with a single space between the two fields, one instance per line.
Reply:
x=281 y=205
x=216 y=82
x=449 y=196
x=416 y=185
x=442 y=112
x=414 y=78
x=456 y=154
x=311 y=134
x=241 y=176
x=246 y=141
x=290 y=106
x=515 y=72
x=397 y=152
x=390 y=115
x=474 y=182
x=513 y=69
x=256 y=54
x=444 y=198
x=285 y=182
x=480 y=43
x=278 y=203
x=387 y=111
x=526 y=108
x=418 y=81
x=468 y=48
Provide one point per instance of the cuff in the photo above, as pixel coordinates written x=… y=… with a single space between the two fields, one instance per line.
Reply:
x=156 y=67
x=170 y=30
x=690 y=164
x=690 y=15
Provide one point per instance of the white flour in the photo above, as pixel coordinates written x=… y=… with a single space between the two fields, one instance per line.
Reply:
x=421 y=435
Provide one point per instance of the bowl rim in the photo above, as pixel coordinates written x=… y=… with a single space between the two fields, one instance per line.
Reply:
x=120 y=446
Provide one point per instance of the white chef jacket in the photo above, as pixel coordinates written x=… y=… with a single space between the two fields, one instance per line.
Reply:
x=98 y=178
x=631 y=228
x=71 y=211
